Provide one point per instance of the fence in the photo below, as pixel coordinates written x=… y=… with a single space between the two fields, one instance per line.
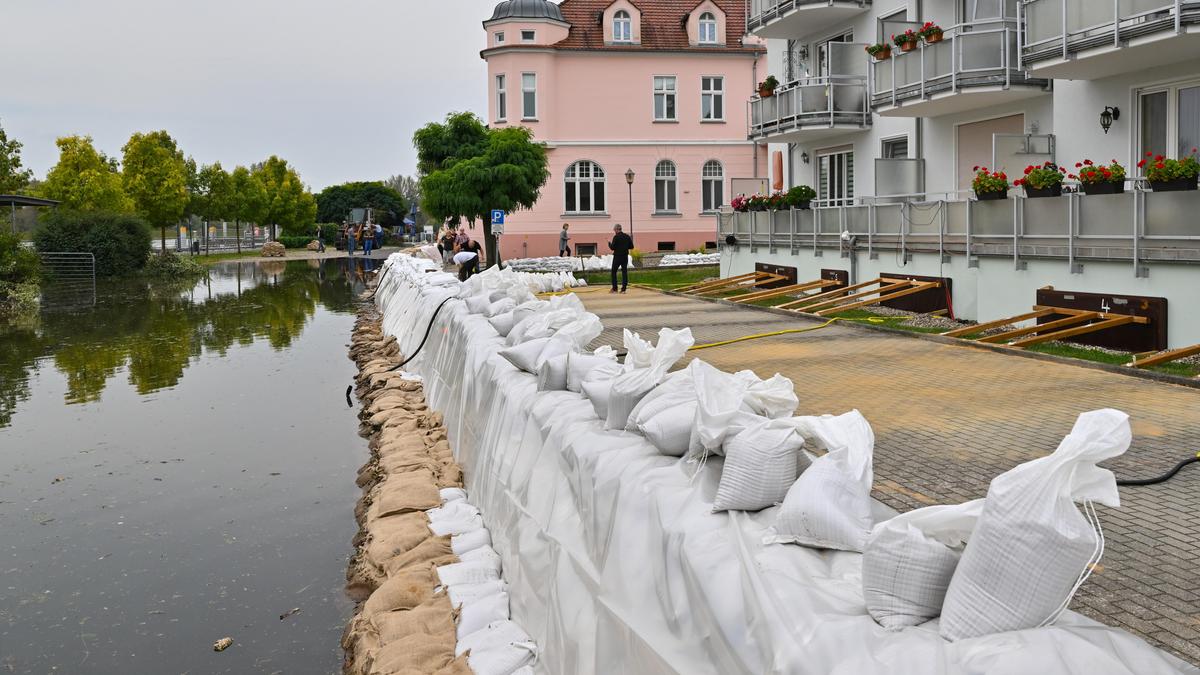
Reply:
x=69 y=279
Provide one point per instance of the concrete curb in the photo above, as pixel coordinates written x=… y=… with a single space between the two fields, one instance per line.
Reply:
x=1164 y=378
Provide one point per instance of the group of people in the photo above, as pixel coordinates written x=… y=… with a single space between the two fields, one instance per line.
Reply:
x=368 y=235
x=455 y=245
x=620 y=245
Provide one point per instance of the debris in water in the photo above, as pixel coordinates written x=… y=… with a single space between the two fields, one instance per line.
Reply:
x=222 y=644
x=295 y=610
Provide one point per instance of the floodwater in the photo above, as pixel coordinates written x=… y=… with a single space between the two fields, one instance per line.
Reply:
x=177 y=466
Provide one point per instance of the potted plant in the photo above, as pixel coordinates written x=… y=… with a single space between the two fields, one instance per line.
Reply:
x=930 y=32
x=880 y=50
x=800 y=197
x=1171 y=175
x=757 y=203
x=989 y=185
x=766 y=88
x=1097 y=179
x=740 y=204
x=1042 y=181
x=906 y=41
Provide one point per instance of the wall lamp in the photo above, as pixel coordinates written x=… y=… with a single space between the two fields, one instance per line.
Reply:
x=804 y=157
x=1107 y=117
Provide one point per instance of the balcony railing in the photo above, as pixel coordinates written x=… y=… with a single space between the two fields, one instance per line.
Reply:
x=978 y=54
x=760 y=13
x=1136 y=227
x=811 y=104
x=1059 y=28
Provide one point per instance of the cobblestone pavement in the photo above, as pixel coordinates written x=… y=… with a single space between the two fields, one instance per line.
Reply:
x=948 y=419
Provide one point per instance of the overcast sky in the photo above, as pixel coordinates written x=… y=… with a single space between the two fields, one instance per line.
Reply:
x=336 y=87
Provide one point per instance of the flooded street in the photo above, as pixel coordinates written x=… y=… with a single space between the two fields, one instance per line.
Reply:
x=177 y=466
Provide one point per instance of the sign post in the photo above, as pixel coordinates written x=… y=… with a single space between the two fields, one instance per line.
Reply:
x=497 y=230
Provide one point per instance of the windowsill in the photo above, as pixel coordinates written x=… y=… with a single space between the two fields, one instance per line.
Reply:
x=529 y=119
x=712 y=121
x=710 y=213
x=501 y=121
x=585 y=214
x=666 y=121
x=666 y=214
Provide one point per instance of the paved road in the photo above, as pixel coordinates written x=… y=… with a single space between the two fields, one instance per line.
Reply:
x=948 y=419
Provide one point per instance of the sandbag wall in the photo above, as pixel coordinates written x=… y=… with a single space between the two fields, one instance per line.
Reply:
x=616 y=561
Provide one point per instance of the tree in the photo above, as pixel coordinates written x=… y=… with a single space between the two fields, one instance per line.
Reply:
x=212 y=197
x=409 y=187
x=335 y=202
x=247 y=200
x=156 y=178
x=12 y=177
x=85 y=179
x=467 y=170
x=289 y=203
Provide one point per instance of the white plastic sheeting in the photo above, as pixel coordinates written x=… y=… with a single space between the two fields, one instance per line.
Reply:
x=616 y=563
x=675 y=259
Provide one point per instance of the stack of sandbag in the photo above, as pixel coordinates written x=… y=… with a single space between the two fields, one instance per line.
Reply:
x=677 y=259
x=566 y=371
x=615 y=393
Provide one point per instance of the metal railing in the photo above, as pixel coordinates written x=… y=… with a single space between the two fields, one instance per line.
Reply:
x=1058 y=28
x=1136 y=227
x=811 y=102
x=761 y=12
x=977 y=54
x=68 y=279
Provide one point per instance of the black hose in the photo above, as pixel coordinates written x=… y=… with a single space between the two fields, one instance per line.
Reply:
x=427 y=331
x=349 y=403
x=1160 y=479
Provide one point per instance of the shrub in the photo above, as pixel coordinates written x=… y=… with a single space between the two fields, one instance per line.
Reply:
x=799 y=195
x=171 y=266
x=294 y=241
x=636 y=256
x=19 y=273
x=120 y=242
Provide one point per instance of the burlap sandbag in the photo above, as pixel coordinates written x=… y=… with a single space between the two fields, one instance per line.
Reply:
x=401 y=426
x=404 y=590
x=422 y=652
x=433 y=552
x=396 y=464
x=395 y=535
x=432 y=617
x=458 y=666
x=381 y=418
x=390 y=443
x=406 y=492
x=451 y=476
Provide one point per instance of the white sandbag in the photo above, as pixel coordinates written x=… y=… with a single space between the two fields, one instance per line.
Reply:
x=505 y=660
x=496 y=634
x=456 y=526
x=629 y=387
x=1032 y=548
x=761 y=463
x=455 y=510
x=719 y=396
x=909 y=560
x=452 y=494
x=675 y=389
x=466 y=573
x=468 y=541
x=500 y=306
x=638 y=351
x=461 y=594
x=528 y=356
x=597 y=387
x=503 y=323
x=581 y=331
x=552 y=375
x=477 y=614
x=478 y=304
x=829 y=506
x=497 y=295
x=579 y=365
x=774 y=397
x=484 y=555
x=670 y=431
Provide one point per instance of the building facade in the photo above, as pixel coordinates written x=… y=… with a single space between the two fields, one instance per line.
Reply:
x=654 y=89
x=890 y=146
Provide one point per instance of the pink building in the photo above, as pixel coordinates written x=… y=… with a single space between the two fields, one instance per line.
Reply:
x=653 y=86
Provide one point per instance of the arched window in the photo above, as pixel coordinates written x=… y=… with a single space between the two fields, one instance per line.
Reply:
x=708 y=29
x=584 y=188
x=712 y=185
x=622 y=27
x=664 y=187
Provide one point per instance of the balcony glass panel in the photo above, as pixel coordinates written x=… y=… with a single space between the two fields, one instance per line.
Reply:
x=1046 y=216
x=888 y=218
x=992 y=218
x=1172 y=214
x=1092 y=23
x=1106 y=215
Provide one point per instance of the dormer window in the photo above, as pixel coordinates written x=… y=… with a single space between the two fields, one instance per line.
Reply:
x=528 y=36
x=622 y=27
x=708 y=29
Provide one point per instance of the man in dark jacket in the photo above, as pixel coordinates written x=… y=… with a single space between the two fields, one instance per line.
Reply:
x=620 y=245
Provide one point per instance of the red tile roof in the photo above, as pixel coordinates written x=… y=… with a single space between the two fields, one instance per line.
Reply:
x=662 y=27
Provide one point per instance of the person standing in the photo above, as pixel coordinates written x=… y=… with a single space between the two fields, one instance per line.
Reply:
x=564 y=242
x=320 y=239
x=351 y=237
x=378 y=236
x=620 y=245
x=367 y=233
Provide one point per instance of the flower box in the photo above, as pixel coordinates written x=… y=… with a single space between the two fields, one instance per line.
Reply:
x=1105 y=188
x=933 y=37
x=993 y=195
x=1174 y=185
x=908 y=46
x=763 y=92
x=1049 y=191
x=883 y=54
x=804 y=205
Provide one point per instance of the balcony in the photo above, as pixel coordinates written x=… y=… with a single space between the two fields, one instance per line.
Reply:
x=975 y=66
x=1107 y=37
x=793 y=18
x=811 y=108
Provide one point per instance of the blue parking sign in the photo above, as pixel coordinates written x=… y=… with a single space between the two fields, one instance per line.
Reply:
x=497 y=217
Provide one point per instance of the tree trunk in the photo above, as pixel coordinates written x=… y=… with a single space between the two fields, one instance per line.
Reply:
x=237 y=231
x=493 y=245
x=163 y=240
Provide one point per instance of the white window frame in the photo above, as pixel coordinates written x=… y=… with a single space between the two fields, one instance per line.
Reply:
x=713 y=95
x=822 y=50
x=525 y=89
x=846 y=198
x=1172 y=91
x=623 y=27
x=528 y=36
x=712 y=186
x=670 y=93
x=500 y=37
x=708 y=25
x=595 y=184
x=672 y=182
x=885 y=142
x=501 y=97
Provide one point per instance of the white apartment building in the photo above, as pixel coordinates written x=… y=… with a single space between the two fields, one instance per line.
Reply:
x=890 y=147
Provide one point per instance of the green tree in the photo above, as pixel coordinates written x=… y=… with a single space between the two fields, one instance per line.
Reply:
x=289 y=203
x=247 y=200
x=12 y=177
x=156 y=178
x=500 y=169
x=85 y=179
x=335 y=202
x=212 y=195
x=20 y=269
x=120 y=242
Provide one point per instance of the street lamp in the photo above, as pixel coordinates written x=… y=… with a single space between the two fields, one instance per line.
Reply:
x=629 y=176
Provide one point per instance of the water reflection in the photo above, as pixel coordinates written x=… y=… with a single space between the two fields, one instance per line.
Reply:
x=154 y=330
